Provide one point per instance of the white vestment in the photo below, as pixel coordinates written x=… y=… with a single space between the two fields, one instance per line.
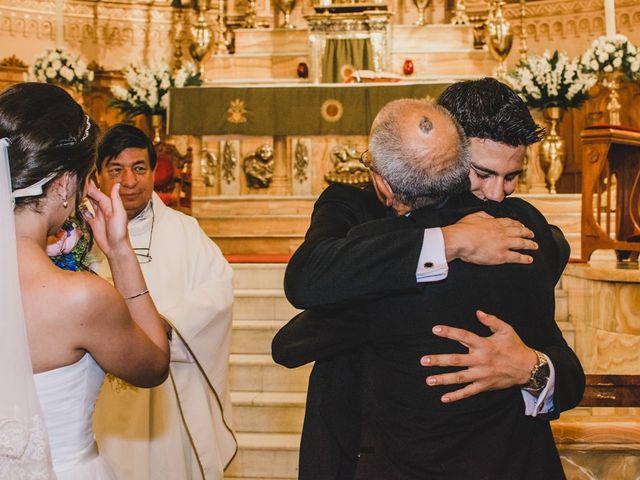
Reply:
x=180 y=430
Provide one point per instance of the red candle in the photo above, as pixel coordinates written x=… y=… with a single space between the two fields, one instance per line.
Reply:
x=407 y=67
x=303 y=70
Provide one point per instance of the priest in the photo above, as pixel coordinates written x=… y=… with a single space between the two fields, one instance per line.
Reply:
x=181 y=429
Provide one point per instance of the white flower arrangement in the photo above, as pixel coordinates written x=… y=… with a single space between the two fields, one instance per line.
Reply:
x=61 y=67
x=551 y=80
x=147 y=90
x=608 y=55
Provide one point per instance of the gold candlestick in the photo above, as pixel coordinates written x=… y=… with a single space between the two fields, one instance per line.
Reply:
x=286 y=7
x=156 y=126
x=499 y=37
x=523 y=32
x=222 y=32
x=552 y=147
x=250 y=15
x=421 y=5
x=459 y=11
x=201 y=37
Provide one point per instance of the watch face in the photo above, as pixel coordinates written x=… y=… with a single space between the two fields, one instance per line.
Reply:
x=541 y=375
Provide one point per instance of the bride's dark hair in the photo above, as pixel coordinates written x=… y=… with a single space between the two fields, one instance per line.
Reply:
x=49 y=132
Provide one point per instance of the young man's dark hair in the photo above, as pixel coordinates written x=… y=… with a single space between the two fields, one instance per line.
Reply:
x=120 y=137
x=489 y=109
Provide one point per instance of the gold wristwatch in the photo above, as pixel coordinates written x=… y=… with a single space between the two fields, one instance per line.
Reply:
x=539 y=374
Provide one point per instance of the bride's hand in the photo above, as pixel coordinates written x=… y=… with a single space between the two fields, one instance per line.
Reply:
x=109 y=224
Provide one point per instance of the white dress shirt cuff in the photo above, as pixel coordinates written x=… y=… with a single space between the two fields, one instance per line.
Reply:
x=432 y=263
x=179 y=351
x=543 y=403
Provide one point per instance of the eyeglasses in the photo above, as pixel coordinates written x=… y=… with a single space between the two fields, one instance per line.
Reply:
x=144 y=254
x=366 y=159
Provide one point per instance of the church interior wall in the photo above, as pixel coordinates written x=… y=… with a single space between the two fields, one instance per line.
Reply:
x=600 y=315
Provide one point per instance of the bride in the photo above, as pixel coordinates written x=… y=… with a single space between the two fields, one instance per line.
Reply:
x=77 y=325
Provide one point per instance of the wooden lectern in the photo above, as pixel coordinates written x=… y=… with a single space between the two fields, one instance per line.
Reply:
x=611 y=192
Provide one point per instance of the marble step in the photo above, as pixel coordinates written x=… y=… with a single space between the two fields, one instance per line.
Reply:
x=258 y=275
x=253 y=336
x=268 y=412
x=252 y=205
x=247 y=225
x=262 y=304
x=562 y=306
x=265 y=455
x=568 y=332
x=259 y=373
x=258 y=244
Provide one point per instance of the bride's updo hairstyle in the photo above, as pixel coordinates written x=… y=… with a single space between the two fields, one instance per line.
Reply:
x=49 y=134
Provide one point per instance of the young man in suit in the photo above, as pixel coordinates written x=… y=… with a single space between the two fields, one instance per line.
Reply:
x=333 y=267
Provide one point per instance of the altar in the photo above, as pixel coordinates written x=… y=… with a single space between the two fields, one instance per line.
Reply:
x=263 y=153
x=287 y=109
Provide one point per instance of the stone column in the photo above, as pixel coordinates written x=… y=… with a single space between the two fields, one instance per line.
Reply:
x=281 y=184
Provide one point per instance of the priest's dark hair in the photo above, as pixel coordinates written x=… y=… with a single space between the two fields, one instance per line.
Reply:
x=489 y=109
x=120 y=137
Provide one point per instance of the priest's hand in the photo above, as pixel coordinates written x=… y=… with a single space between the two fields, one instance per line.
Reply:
x=496 y=362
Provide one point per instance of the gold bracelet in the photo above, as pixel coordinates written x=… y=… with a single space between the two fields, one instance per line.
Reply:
x=137 y=295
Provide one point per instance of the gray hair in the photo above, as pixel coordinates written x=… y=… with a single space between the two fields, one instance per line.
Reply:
x=417 y=180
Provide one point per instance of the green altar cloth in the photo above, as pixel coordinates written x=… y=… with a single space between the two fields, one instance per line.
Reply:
x=336 y=109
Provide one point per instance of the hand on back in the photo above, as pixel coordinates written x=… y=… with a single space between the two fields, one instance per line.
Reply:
x=484 y=240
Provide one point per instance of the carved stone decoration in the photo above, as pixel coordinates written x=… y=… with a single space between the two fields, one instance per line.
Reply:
x=478 y=22
x=12 y=61
x=229 y=162
x=347 y=167
x=300 y=166
x=258 y=167
x=208 y=166
x=301 y=161
x=229 y=167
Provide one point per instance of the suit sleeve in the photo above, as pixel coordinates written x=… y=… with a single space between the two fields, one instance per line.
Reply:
x=332 y=268
x=318 y=334
x=570 y=381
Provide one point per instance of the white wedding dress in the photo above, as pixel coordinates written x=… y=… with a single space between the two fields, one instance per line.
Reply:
x=68 y=396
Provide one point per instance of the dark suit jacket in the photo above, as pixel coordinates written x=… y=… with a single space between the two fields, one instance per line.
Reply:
x=330 y=268
x=332 y=429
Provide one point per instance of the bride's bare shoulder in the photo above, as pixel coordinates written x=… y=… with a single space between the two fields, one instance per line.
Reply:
x=47 y=289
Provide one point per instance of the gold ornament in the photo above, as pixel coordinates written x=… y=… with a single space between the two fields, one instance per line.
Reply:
x=301 y=162
x=552 y=148
x=499 y=37
x=612 y=82
x=331 y=110
x=237 y=112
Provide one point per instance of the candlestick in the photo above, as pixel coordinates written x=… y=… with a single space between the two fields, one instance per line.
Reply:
x=610 y=18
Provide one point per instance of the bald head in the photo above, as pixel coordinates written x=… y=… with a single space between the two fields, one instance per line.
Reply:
x=420 y=151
